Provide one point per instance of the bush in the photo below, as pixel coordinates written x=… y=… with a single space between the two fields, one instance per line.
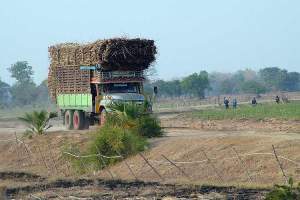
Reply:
x=112 y=141
x=136 y=117
x=37 y=121
x=284 y=192
x=123 y=134
x=148 y=126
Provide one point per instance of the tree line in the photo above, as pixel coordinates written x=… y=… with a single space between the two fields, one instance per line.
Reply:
x=26 y=92
x=243 y=81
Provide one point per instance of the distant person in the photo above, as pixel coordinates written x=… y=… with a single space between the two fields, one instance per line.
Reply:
x=226 y=103
x=234 y=103
x=277 y=99
x=254 y=102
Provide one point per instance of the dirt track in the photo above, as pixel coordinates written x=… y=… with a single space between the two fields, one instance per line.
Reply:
x=184 y=145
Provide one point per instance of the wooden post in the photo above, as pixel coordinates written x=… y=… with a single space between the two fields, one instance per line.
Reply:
x=52 y=158
x=214 y=168
x=243 y=163
x=17 y=147
x=27 y=151
x=43 y=158
x=128 y=166
x=177 y=167
x=280 y=165
x=104 y=164
x=156 y=172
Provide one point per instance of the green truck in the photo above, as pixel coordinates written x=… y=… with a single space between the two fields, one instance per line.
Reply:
x=82 y=85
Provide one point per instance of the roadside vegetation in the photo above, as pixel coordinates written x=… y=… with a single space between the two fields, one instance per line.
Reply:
x=124 y=134
x=288 y=111
x=284 y=192
x=37 y=121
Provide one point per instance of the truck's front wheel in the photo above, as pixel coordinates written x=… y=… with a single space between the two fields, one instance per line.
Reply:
x=78 y=120
x=69 y=119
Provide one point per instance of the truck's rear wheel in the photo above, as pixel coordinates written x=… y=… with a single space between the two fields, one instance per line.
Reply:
x=78 y=120
x=69 y=119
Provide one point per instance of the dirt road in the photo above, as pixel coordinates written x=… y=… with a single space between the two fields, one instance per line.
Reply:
x=201 y=156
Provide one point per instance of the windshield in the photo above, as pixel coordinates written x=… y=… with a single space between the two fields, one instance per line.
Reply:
x=121 y=88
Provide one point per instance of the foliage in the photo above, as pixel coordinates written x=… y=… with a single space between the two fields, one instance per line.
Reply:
x=216 y=83
x=253 y=87
x=148 y=126
x=38 y=121
x=261 y=111
x=280 y=79
x=112 y=141
x=124 y=133
x=136 y=117
x=284 y=192
x=24 y=91
x=5 y=96
x=196 y=84
x=21 y=71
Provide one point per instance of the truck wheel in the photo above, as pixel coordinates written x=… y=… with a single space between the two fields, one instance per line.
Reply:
x=78 y=120
x=69 y=119
x=102 y=117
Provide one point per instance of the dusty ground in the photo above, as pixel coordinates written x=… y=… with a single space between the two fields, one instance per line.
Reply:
x=183 y=120
x=187 y=142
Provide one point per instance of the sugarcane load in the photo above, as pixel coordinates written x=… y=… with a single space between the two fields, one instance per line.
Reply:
x=84 y=79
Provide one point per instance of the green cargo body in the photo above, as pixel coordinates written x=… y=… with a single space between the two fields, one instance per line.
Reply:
x=75 y=102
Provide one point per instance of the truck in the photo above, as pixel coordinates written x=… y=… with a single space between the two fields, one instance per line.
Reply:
x=83 y=85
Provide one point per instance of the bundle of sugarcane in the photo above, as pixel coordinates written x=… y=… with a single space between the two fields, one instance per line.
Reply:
x=111 y=54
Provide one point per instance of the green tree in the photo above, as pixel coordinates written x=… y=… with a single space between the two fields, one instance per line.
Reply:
x=253 y=87
x=23 y=91
x=21 y=71
x=292 y=82
x=273 y=77
x=196 y=84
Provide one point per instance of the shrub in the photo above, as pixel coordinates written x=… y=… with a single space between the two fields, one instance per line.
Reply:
x=148 y=126
x=37 y=121
x=112 y=141
x=284 y=192
x=133 y=116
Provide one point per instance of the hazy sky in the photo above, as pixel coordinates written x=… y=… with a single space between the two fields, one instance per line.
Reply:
x=191 y=35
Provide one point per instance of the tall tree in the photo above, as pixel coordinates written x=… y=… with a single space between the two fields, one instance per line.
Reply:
x=23 y=91
x=196 y=84
x=21 y=71
x=273 y=77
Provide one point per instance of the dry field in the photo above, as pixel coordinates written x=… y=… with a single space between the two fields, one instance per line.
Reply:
x=204 y=153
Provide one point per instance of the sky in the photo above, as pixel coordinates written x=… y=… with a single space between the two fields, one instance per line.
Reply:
x=191 y=35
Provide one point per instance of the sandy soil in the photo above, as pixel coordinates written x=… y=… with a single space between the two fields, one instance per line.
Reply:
x=181 y=120
x=188 y=145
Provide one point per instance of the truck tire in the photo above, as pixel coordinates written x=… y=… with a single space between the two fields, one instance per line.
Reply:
x=69 y=119
x=78 y=120
x=102 y=117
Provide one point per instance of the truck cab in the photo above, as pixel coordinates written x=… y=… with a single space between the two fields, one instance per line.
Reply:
x=115 y=87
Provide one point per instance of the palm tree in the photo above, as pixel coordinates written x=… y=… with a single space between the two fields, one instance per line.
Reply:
x=38 y=121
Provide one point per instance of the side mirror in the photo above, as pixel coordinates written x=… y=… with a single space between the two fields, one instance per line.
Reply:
x=155 y=90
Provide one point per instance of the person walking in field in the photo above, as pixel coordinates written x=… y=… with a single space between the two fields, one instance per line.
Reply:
x=254 y=102
x=226 y=103
x=234 y=103
x=277 y=99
